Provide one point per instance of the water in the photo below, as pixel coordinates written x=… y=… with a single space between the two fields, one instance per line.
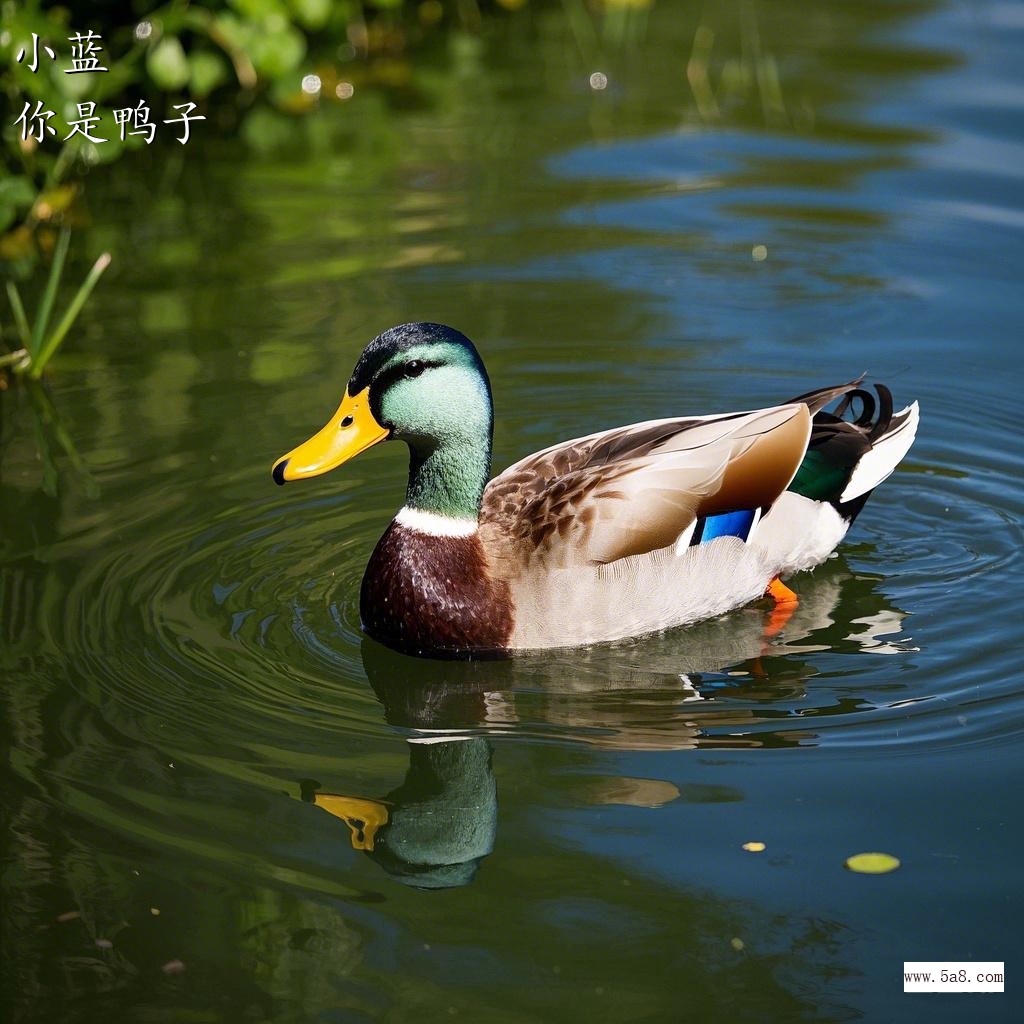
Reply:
x=183 y=666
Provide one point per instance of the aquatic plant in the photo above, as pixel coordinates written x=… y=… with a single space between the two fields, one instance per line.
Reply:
x=38 y=344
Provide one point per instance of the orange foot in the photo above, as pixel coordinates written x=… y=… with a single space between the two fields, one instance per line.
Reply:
x=786 y=603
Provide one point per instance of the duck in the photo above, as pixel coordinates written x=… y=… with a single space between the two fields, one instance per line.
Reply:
x=605 y=538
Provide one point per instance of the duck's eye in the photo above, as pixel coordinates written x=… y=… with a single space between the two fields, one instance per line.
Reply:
x=413 y=368
x=347 y=421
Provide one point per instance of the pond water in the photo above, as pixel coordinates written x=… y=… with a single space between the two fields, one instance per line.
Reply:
x=187 y=696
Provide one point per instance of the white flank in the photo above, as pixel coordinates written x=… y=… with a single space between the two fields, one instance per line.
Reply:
x=885 y=455
x=798 y=533
x=569 y=607
x=433 y=524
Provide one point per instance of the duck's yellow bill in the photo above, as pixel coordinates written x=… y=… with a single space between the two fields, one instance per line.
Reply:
x=363 y=817
x=351 y=430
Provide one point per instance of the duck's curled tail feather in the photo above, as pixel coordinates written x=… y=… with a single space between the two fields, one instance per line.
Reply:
x=846 y=459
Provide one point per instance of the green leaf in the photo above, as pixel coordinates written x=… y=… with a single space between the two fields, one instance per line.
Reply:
x=105 y=152
x=60 y=253
x=207 y=72
x=42 y=356
x=276 y=54
x=20 y=319
x=313 y=14
x=258 y=10
x=872 y=863
x=17 y=191
x=234 y=32
x=167 y=64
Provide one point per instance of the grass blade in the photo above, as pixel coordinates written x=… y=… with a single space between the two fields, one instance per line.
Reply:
x=53 y=342
x=15 y=358
x=46 y=305
x=19 y=314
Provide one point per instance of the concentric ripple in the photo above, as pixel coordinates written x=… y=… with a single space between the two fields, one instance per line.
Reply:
x=251 y=615
x=238 y=618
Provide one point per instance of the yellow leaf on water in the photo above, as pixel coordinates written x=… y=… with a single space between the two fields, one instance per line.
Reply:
x=753 y=847
x=872 y=863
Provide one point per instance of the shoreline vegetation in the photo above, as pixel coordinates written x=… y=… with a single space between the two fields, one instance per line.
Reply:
x=231 y=59
x=237 y=62
x=253 y=69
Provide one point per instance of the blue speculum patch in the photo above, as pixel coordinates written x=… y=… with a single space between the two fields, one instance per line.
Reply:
x=729 y=524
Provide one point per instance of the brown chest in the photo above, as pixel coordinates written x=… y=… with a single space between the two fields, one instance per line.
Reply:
x=434 y=595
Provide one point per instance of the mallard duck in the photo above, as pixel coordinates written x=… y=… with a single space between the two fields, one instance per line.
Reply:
x=618 y=534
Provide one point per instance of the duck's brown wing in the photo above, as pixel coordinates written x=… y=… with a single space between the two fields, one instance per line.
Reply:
x=635 y=489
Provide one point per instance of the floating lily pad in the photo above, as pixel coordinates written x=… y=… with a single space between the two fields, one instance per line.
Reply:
x=872 y=863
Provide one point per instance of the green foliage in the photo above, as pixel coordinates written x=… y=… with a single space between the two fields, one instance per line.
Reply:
x=38 y=344
x=311 y=14
x=207 y=71
x=242 y=62
x=167 y=65
x=17 y=194
x=235 y=59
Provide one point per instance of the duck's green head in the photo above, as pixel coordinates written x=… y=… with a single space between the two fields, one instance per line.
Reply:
x=423 y=384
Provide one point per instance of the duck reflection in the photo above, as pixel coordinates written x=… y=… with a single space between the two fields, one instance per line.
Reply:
x=714 y=684
x=726 y=683
x=433 y=830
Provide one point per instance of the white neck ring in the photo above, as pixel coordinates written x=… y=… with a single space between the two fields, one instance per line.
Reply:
x=433 y=524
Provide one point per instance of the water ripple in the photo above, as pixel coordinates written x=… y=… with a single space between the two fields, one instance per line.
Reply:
x=253 y=617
